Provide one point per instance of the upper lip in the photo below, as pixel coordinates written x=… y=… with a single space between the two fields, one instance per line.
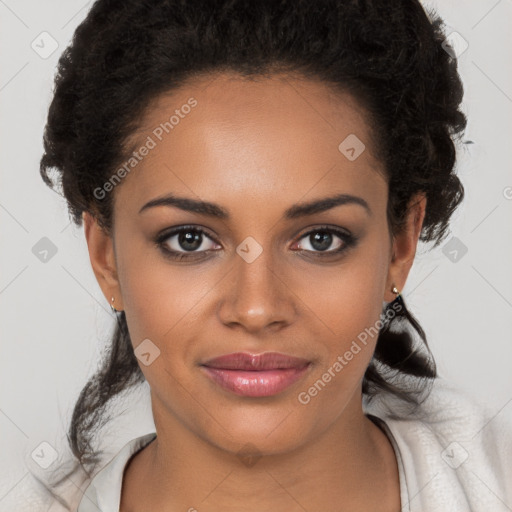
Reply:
x=247 y=361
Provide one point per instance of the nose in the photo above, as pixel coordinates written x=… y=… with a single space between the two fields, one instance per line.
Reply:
x=257 y=296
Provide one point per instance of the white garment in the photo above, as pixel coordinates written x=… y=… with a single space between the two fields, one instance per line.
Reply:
x=453 y=455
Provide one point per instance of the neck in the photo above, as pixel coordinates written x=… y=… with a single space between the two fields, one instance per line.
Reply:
x=351 y=462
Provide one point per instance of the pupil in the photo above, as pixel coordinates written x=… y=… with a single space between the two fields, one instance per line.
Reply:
x=321 y=240
x=189 y=237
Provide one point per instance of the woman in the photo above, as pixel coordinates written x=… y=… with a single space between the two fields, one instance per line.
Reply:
x=253 y=179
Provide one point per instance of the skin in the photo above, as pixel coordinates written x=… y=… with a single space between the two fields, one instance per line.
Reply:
x=256 y=148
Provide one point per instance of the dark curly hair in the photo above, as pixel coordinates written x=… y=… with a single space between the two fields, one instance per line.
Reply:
x=387 y=54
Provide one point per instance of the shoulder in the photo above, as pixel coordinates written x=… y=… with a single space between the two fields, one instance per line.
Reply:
x=456 y=451
x=76 y=491
x=104 y=490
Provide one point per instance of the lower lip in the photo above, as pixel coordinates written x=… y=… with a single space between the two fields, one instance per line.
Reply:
x=255 y=383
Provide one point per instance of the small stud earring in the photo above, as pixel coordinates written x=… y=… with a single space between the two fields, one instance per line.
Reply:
x=395 y=290
x=112 y=306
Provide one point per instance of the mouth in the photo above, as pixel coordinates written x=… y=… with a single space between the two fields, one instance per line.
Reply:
x=255 y=375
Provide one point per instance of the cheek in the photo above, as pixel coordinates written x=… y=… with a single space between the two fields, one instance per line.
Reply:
x=345 y=299
x=346 y=306
x=160 y=299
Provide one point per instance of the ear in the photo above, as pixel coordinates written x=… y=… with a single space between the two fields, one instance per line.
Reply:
x=404 y=245
x=102 y=256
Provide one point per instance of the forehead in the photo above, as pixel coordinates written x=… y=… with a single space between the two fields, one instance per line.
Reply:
x=273 y=139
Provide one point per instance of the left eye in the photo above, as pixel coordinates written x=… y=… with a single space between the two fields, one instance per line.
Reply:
x=320 y=239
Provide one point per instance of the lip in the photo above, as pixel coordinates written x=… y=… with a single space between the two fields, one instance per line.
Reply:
x=255 y=362
x=255 y=375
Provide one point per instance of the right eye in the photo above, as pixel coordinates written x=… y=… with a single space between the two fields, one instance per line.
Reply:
x=185 y=241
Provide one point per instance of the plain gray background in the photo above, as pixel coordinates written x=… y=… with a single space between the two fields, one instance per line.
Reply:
x=55 y=320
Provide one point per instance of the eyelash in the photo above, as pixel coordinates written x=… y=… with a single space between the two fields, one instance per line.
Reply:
x=348 y=239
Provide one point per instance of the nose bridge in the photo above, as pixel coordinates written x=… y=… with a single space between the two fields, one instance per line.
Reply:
x=256 y=296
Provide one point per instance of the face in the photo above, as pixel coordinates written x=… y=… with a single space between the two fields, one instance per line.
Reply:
x=257 y=272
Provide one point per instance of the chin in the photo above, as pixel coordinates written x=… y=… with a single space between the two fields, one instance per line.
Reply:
x=261 y=434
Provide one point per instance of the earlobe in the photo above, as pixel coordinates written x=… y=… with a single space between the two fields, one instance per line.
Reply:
x=102 y=257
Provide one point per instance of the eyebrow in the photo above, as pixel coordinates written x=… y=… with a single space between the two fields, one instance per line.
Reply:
x=294 y=212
